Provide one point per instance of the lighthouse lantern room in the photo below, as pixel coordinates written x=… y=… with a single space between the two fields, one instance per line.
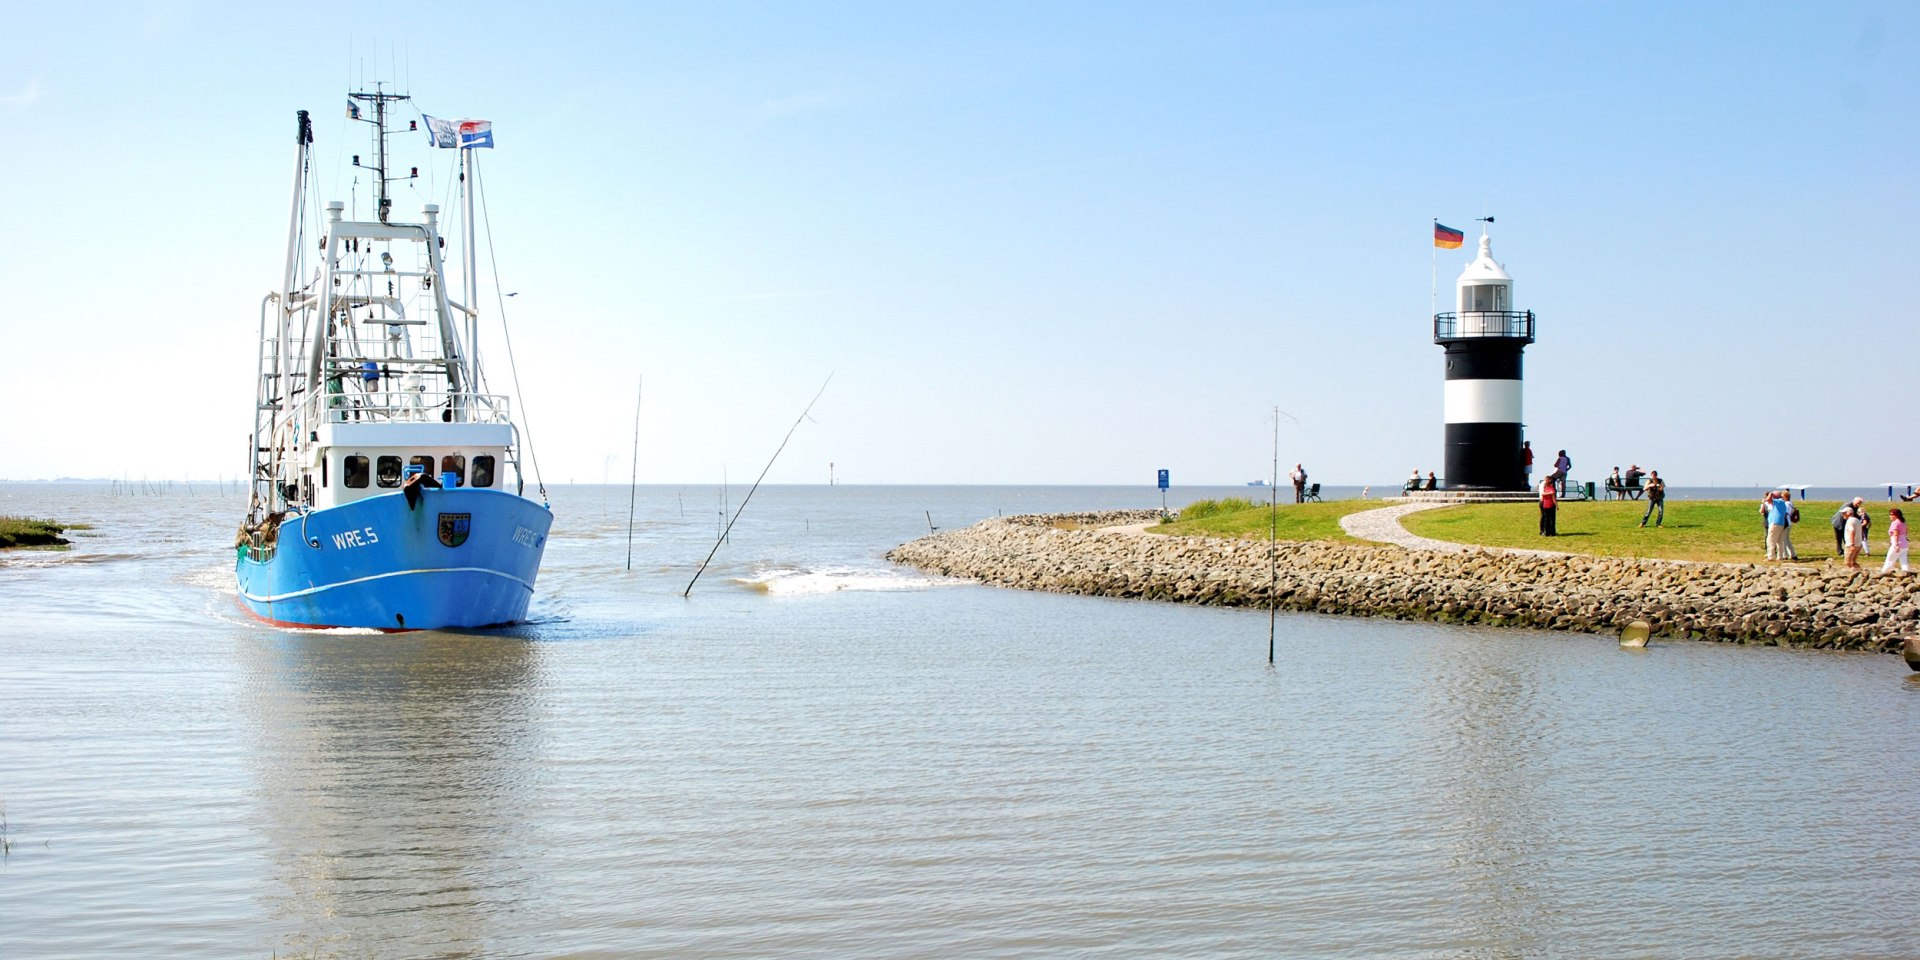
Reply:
x=1483 y=339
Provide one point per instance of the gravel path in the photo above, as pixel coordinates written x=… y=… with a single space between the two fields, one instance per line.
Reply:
x=1383 y=526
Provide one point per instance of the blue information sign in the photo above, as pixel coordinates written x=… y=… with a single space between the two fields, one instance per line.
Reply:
x=1163 y=479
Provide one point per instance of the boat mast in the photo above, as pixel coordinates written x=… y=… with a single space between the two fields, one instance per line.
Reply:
x=469 y=180
x=379 y=100
x=276 y=388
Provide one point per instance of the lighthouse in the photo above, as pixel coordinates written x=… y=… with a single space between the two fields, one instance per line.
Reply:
x=1483 y=338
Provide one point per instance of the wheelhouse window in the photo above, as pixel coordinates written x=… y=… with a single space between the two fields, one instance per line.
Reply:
x=388 y=474
x=355 y=473
x=456 y=465
x=483 y=470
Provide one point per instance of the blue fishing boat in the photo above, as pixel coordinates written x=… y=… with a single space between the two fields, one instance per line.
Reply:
x=386 y=482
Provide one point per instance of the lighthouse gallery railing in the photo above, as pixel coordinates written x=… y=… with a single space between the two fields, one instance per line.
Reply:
x=1475 y=324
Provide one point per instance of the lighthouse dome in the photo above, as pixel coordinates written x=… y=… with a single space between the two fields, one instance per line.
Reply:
x=1483 y=269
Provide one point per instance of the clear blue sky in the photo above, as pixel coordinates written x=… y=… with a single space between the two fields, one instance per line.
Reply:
x=1033 y=243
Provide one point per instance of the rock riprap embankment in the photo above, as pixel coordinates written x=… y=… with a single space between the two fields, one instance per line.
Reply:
x=1825 y=607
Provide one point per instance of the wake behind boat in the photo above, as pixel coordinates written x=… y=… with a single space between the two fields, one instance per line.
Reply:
x=379 y=461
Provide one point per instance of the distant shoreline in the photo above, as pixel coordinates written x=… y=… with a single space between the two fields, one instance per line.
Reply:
x=1822 y=608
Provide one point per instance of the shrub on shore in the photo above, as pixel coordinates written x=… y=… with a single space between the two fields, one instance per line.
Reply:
x=1200 y=509
x=26 y=532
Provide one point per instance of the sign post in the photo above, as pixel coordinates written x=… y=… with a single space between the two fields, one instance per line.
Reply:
x=1163 y=491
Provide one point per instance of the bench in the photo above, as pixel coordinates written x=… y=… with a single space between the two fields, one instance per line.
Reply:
x=1312 y=493
x=1625 y=491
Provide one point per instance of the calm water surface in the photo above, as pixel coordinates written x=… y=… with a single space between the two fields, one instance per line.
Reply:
x=820 y=755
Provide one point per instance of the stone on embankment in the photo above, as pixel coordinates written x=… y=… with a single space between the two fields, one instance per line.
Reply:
x=1742 y=603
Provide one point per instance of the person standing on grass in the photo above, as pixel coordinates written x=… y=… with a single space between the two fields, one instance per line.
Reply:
x=1866 y=525
x=1776 y=526
x=1547 y=506
x=1854 y=532
x=1896 y=541
x=1793 y=517
x=1858 y=509
x=1656 y=500
x=1299 y=477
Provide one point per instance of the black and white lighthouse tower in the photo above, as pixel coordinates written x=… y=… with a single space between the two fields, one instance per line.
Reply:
x=1483 y=338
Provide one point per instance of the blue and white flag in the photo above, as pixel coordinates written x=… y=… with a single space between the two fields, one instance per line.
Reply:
x=353 y=110
x=459 y=133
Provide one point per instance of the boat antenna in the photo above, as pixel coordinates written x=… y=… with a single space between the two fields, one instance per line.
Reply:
x=379 y=99
x=756 y=485
x=633 y=481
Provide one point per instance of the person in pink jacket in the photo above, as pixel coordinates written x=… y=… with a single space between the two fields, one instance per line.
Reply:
x=1896 y=542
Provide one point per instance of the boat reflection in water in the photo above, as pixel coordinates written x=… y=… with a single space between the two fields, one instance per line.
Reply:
x=392 y=775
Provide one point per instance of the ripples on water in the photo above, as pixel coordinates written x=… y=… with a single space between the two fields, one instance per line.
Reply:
x=818 y=754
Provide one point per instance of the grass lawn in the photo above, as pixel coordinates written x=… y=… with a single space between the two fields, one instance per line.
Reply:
x=1723 y=530
x=1296 y=521
x=23 y=532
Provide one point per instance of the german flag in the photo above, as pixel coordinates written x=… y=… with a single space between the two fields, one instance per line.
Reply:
x=1447 y=237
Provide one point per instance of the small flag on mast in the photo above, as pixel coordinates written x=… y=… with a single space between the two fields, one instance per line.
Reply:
x=353 y=110
x=1447 y=237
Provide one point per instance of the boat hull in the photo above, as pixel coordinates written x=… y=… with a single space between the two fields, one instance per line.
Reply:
x=459 y=558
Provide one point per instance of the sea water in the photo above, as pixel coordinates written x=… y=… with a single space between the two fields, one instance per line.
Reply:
x=818 y=754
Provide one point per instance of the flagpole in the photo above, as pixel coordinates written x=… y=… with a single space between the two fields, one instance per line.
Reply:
x=1433 y=296
x=469 y=174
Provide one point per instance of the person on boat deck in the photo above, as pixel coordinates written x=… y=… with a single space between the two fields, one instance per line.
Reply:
x=369 y=383
x=416 y=480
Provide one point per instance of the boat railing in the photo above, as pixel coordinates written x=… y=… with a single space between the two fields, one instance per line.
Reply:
x=355 y=405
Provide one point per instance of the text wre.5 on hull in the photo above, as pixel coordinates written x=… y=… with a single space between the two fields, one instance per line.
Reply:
x=386 y=481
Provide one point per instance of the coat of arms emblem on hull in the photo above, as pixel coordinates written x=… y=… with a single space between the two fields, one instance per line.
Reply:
x=454 y=527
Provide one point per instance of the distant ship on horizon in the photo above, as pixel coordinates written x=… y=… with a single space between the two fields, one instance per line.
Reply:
x=1256 y=483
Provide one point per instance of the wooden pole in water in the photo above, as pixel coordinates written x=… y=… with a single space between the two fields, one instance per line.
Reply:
x=756 y=485
x=1273 y=526
x=633 y=480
